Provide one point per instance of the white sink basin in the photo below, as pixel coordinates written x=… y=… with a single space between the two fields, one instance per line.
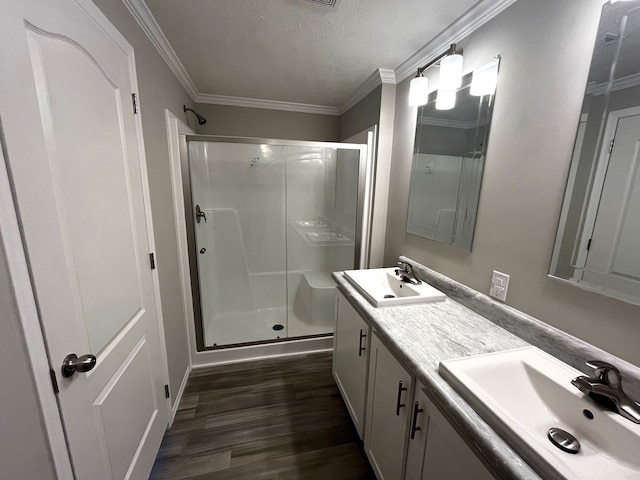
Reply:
x=524 y=392
x=382 y=287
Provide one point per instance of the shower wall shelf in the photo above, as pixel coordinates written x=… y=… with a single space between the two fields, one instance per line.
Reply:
x=322 y=233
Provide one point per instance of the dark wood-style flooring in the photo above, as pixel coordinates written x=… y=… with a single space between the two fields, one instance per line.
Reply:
x=269 y=419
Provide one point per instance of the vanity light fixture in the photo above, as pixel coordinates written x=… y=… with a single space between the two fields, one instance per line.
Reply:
x=450 y=77
x=485 y=79
x=451 y=72
x=419 y=91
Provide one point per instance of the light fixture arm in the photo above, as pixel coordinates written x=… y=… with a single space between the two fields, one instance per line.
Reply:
x=450 y=51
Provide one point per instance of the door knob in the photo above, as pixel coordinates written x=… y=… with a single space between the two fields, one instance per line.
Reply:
x=72 y=364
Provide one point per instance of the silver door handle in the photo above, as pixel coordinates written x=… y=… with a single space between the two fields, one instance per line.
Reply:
x=72 y=364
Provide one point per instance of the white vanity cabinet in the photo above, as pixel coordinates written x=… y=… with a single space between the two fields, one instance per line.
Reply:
x=417 y=434
x=389 y=397
x=405 y=435
x=352 y=338
x=437 y=451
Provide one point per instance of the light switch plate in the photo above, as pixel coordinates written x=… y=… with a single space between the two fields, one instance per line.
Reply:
x=499 y=285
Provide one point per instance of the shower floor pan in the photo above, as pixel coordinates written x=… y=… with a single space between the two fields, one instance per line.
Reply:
x=257 y=326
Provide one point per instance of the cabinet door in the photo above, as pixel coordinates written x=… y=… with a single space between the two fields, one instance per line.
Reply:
x=447 y=456
x=389 y=397
x=350 y=359
x=418 y=430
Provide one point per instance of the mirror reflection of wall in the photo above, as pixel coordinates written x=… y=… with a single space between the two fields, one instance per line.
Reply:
x=448 y=162
x=598 y=240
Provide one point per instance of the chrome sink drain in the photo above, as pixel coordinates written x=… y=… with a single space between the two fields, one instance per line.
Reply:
x=563 y=440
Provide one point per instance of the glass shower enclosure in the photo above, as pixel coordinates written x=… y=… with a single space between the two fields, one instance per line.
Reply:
x=270 y=221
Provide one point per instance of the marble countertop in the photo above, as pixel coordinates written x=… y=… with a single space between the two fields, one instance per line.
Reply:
x=469 y=323
x=423 y=335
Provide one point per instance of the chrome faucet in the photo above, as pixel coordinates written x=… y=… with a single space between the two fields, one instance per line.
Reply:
x=406 y=274
x=606 y=383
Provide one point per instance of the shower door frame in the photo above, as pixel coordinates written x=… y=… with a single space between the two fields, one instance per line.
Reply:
x=364 y=210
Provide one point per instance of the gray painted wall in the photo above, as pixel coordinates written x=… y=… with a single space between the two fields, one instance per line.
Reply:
x=546 y=51
x=25 y=450
x=262 y=123
x=377 y=108
x=159 y=90
x=362 y=115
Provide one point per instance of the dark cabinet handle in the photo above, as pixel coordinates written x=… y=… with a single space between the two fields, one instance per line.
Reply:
x=414 y=427
x=360 y=347
x=398 y=404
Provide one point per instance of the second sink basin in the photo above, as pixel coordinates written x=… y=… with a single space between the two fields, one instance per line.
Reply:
x=382 y=287
x=523 y=393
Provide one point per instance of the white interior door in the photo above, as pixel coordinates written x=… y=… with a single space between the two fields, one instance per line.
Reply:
x=79 y=182
x=613 y=260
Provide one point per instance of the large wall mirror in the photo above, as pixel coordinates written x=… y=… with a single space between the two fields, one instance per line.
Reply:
x=598 y=240
x=448 y=162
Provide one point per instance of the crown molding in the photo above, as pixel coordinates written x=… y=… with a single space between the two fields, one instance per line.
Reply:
x=621 y=83
x=265 y=104
x=387 y=75
x=476 y=17
x=472 y=20
x=148 y=23
x=377 y=78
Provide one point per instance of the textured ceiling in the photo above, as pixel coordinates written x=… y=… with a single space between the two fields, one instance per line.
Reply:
x=294 y=50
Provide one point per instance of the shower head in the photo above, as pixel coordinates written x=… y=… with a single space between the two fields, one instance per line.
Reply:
x=201 y=119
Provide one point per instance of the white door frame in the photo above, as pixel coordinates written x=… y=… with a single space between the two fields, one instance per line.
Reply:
x=598 y=183
x=368 y=136
x=176 y=128
x=573 y=169
x=21 y=280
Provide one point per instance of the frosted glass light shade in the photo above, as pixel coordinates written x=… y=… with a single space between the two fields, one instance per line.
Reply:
x=419 y=91
x=446 y=99
x=451 y=72
x=485 y=79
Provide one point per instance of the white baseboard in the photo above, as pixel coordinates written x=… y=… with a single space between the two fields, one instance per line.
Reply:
x=176 y=401
x=213 y=358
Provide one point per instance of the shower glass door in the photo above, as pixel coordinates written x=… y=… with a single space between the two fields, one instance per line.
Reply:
x=240 y=241
x=271 y=223
x=322 y=198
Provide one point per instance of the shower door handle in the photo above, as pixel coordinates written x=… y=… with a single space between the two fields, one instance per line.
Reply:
x=200 y=215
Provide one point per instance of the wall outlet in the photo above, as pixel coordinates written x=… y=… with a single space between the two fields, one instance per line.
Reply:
x=499 y=285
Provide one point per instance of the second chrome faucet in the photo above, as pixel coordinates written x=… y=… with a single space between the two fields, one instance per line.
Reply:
x=606 y=384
